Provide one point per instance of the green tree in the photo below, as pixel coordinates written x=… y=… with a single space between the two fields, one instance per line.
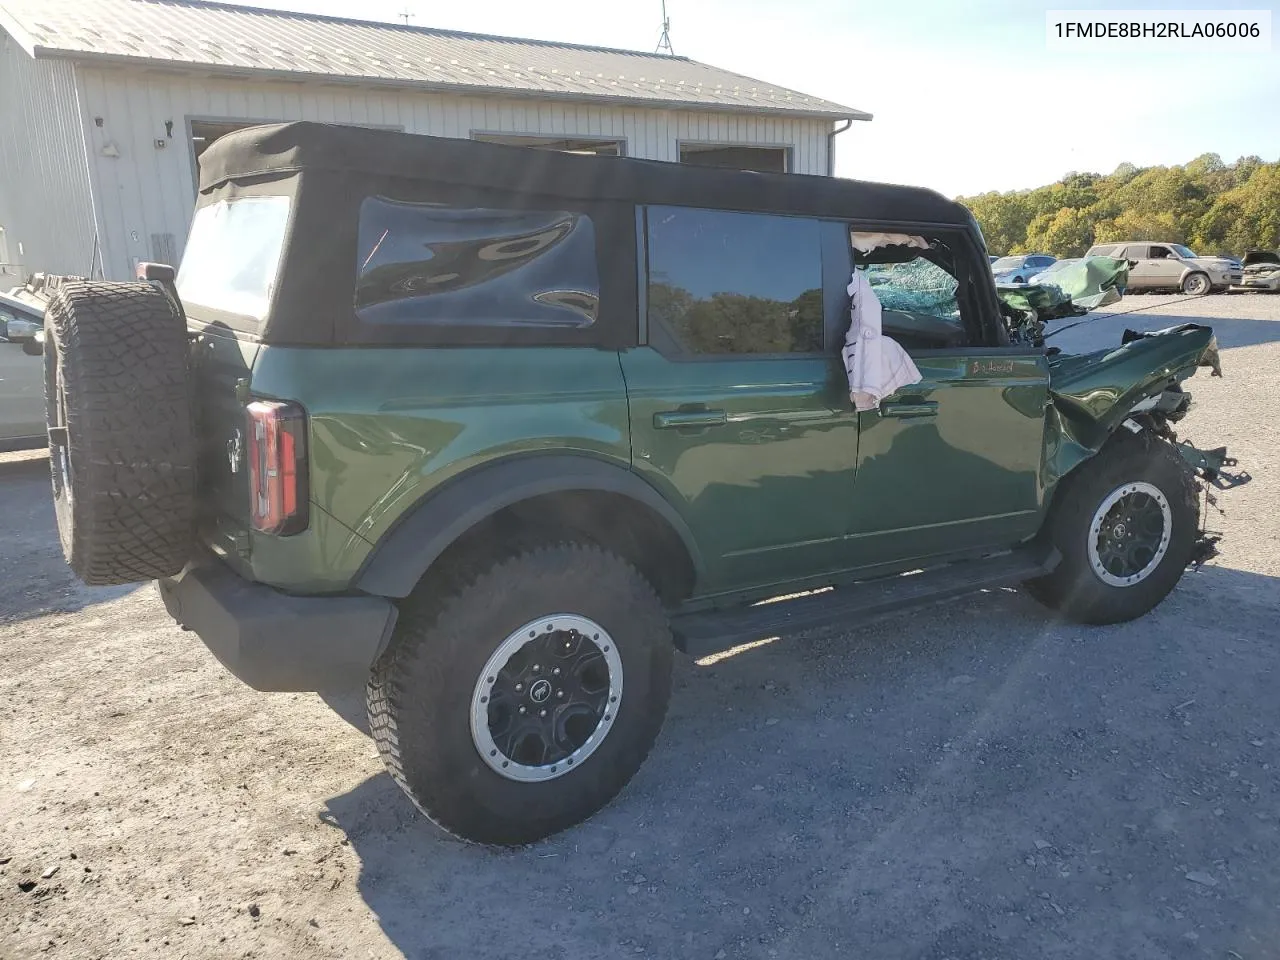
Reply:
x=1003 y=217
x=1067 y=233
x=1211 y=205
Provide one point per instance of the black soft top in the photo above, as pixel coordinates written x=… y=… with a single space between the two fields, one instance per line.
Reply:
x=298 y=147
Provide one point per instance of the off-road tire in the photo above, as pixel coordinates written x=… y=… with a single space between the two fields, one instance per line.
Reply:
x=1197 y=284
x=1073 y=588
x=419 y=693
x=122 y=446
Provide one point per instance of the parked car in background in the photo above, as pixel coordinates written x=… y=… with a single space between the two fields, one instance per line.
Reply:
x=22 y=413
x=1046 y=275
x=1171 y=266
x=1020 y=269
x=1261 y=272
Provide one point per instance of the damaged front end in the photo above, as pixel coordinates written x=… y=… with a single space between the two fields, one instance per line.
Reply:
x=1137 y=387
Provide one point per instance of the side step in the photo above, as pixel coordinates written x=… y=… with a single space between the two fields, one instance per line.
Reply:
x=711 y=631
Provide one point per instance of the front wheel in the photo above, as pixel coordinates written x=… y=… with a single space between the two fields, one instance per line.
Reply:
x=1126 y=524
x=520 y=703
x=1196 y=285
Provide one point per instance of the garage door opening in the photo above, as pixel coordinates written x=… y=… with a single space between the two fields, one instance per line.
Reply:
x=736 y=156
x=588 y=145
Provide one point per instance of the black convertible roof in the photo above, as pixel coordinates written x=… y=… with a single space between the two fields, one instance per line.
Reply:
x=296 y=147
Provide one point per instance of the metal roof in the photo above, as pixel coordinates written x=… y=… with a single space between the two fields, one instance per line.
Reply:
x=225 y=39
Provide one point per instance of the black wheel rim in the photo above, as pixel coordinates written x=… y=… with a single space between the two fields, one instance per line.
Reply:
x=1130 y=534
x=547 y=698
x=56 y=424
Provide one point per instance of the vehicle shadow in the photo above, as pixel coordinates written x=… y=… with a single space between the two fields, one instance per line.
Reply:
x=919 y=787
x=34 y=578
x=349 y=705
x=1102 y=331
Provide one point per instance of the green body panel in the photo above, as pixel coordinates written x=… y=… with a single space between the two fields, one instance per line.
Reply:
x=968 y=476
x=321 y=559
x=782 y=484
x=765 y=491
x=1094 y=392
x=388 y=426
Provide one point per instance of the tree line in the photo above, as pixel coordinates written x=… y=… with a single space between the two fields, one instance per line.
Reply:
x=1211 y=206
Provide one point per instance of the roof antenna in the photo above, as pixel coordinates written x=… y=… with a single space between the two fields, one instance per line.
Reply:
x=664 y=44
x=404 y=15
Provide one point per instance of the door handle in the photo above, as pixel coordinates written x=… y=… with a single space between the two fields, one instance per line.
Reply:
x=907 y=411
x=672 y=419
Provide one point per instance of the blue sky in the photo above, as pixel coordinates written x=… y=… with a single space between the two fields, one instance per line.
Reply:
x=966 y=95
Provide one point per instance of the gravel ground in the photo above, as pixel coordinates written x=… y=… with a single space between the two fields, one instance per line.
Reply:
x=971 y=781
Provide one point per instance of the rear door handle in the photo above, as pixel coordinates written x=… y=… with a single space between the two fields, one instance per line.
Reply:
x=672 y=419
x=910 y=410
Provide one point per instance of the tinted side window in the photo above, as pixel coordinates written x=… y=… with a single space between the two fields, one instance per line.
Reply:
x=1134 y=252
x=422 y=263
x=734 y=282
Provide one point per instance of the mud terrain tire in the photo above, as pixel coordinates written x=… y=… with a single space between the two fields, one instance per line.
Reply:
x=122 y=445
x=423 y=693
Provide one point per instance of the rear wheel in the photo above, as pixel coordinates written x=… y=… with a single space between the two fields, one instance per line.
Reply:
x=520 y=702
x=1125 y=524
x=1196 y=285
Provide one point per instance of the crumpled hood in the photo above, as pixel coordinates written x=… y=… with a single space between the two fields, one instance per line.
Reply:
x=1261 y=258
x=1097 y=390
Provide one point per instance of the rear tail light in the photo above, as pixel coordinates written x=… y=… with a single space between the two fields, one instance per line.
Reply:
x=277 y=454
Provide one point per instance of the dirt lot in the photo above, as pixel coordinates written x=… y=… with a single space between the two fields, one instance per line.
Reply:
x=975 y=781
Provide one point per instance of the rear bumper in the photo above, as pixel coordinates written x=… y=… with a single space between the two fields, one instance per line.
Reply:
x=276 y=641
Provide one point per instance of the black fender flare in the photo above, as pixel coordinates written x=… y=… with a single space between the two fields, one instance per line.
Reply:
x=408 y=550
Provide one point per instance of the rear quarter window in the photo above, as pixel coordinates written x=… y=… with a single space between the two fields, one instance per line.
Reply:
x=431 y=264
x=233 y=256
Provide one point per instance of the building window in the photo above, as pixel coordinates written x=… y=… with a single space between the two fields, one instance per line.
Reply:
x=736 y=156
x=734 y=283
x=590 y=145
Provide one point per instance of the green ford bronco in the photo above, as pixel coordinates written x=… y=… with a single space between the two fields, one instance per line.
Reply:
x=495 y=431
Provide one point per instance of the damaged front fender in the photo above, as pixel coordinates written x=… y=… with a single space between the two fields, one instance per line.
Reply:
x=1094 y=393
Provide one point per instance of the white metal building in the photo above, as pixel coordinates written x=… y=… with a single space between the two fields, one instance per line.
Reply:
x=105 y=106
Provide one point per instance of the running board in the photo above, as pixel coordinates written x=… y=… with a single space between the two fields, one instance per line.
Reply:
x=712 y=631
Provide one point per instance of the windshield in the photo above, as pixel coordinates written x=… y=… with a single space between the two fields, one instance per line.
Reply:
x=1007 y=263
x=1182 y=251
x=232 y=255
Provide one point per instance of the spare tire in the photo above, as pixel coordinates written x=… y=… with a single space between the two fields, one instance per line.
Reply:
x=122 y=445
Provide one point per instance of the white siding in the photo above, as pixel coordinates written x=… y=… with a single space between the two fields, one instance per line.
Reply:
x=45 y=202
x=149 y=191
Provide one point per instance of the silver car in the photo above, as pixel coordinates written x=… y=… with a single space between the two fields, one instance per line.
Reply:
x=1020 y=268
x=21 y=375
x=1171 y=266
x=1261 y=272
